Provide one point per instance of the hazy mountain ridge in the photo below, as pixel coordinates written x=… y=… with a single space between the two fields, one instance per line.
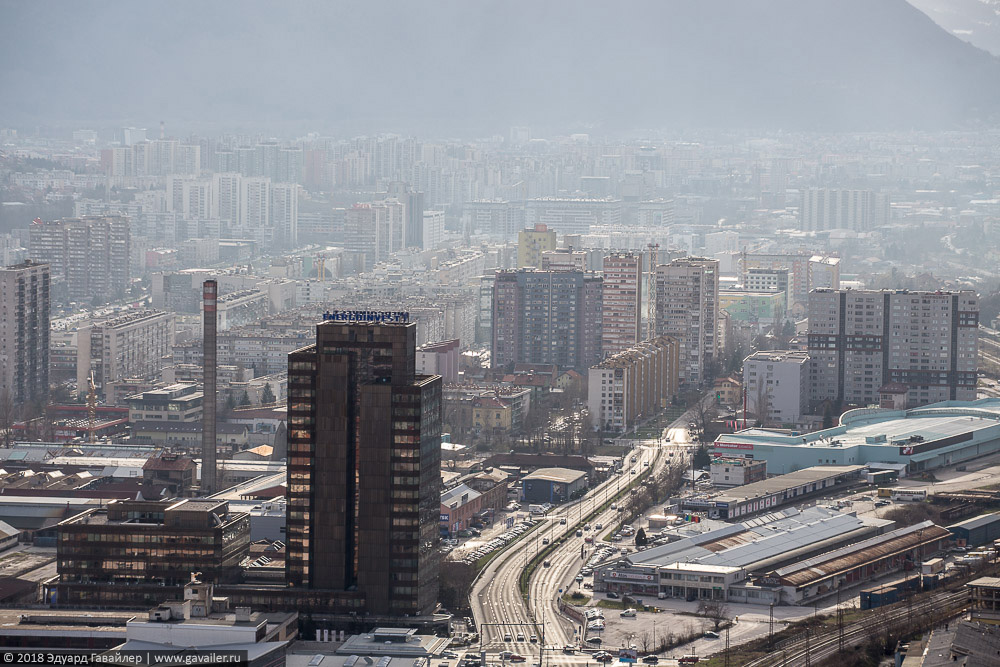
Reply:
x=457 y=66
x=973 y=21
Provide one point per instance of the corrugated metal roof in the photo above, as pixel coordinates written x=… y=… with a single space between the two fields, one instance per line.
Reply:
x=976 y=521
x=856 y=555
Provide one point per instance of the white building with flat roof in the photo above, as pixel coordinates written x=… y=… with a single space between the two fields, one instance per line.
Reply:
x=777 y=385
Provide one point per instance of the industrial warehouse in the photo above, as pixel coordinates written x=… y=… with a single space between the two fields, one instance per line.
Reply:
x=790 y=556
x=769 y=494
x=921 y=438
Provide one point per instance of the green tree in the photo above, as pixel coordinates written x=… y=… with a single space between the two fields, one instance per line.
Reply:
x=244 y=399
x=267 y=395
x=640 y=538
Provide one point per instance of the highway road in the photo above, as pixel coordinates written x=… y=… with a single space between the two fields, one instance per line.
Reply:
x=497 y=605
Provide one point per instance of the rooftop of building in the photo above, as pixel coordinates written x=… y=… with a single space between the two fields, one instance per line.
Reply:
x=977 y=521
x=779 y=356
x=780 y=483
x=222 y=428
x=562 y=475
x=169 y=462
x=925 y=428
x=758 y=540
x=852 y=556
x=452 y=498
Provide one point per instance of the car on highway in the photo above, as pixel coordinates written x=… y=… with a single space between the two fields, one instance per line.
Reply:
x=688 y=660
x=562 y=521
x=449 y=654
x=520 y=636
x=545 y=540
x=517 y=658
x=711 y=634
x=569 y=649
x=599 y=526
x=579 y=578
x=579 y=533
x=505 y=655
x=651 y=659
x=508 y=638
x=587 y=527
x=546 y=564
x=604 y=657
x=533 y=639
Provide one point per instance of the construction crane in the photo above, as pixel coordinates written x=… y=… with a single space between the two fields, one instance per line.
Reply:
x=651 y=291
x=92 y=407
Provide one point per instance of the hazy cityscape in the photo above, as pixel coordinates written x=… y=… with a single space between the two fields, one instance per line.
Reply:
x=685 y=317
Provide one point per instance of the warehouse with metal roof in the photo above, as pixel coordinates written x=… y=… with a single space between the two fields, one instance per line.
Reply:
x=722 y=564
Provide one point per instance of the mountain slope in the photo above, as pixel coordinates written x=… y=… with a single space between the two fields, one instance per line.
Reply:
x=973 y=21
x=457 y=67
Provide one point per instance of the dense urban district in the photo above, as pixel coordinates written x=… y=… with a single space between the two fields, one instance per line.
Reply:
x=438 y=403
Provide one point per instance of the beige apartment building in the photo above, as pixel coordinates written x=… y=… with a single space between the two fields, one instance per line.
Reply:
x=633 y=384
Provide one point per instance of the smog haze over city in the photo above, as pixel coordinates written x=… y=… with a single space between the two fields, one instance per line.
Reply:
x=459 y=334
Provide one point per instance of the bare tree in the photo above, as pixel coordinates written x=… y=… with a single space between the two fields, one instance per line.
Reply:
x=715 y=610
x=646 y=640
x=761 y=401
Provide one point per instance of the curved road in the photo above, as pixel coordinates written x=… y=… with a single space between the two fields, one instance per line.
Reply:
x=497 y=605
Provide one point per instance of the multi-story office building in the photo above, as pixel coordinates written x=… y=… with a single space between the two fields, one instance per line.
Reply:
x=390 y=229
x=802 y=268
x=24 y=333
x=179 y=402
x=498 y=218
x=364 y=468
x=88 y=257
x=136 y=552
x=858 y=210
x=632 y=384
x=777 y=386
x=860 y=340
x=131 y=345
x=547 y=317
x=531 y=243
x=769 y=280
x=687 y=303
x=621 y=308
x=564 y=259
x=189 y=196
x=573 y=216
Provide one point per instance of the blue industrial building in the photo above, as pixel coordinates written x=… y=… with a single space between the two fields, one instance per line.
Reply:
x=921 y=438
x=977 y=531
x=552 y=485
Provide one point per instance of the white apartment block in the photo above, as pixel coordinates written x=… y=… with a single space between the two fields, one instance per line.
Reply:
x=254 y=204
x=777 y=386
x=857 y=210
x=860 y=340
x=433 y=229
x=285 y=212
x=131 y=345
x=687 y=305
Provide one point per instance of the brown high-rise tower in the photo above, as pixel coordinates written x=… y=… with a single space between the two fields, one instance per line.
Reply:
x=364 y=467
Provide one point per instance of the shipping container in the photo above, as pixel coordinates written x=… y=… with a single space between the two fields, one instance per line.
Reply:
x=877 y=597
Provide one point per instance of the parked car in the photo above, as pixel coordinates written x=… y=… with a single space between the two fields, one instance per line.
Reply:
x=628 y=613
x=651 y=659
x=594 y=640
x=689 y=660
x=612 y=595
x=607 y=657
x=711 y=634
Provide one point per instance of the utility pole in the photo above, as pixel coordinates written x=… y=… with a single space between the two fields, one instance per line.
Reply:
x=808 y=650
x=770 y=628
x=840 y=623
x=727 y=646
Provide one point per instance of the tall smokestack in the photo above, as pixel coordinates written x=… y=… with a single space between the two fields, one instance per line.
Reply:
x=210 y=292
